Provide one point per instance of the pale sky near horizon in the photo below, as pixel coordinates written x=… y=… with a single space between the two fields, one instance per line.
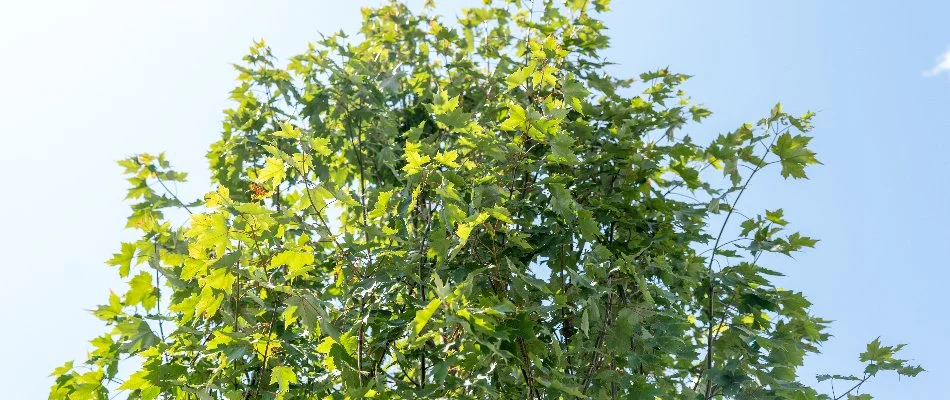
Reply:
x=87 y=82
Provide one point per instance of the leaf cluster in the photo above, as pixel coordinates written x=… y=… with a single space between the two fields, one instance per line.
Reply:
x=461 y=209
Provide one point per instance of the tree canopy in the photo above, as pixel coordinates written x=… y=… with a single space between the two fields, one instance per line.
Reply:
x=463 y=209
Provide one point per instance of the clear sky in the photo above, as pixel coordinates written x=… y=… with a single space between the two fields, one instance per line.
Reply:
x=87 y=82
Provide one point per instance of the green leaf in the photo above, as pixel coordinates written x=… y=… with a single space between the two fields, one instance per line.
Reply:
x=561 y=201
x=876 y=352
x=575 y=95
x=136 y=335
x=797 y=241
x=562 y=149
x=776 y=217
x=776 y=110
x=305 y=308
x=454 y=120
x=589 y=227
x=699 y=113
x=794 y=154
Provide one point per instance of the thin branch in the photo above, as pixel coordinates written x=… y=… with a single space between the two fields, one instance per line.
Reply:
x=169 y=191
x=712 y=287
x=857 y=385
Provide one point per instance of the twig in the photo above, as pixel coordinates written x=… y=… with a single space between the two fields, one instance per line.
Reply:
x=169 y=191
x=857 y=385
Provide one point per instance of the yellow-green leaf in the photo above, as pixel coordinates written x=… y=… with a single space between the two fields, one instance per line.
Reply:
x=297 y=262
x=288 y=131
x=382 y=202
x=414 y=160
x=519 y=76
x=273 y=172
x=516 y=118
x=283 y=376
x=424 y=315
x=123 y=259
x=321 y=146
x=448 y=158
x=141 y=291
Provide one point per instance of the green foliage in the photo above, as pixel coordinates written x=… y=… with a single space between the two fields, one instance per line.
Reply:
x=463 y=210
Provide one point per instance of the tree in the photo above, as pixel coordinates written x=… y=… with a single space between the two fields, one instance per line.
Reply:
x=463 y=210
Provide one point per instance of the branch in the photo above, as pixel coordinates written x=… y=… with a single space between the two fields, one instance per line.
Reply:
x=600 y=342
x=526 y=370
x=712 y=287
x=857 y=385
x=167 y=190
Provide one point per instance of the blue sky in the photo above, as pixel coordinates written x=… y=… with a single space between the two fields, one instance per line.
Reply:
x=88 y=82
